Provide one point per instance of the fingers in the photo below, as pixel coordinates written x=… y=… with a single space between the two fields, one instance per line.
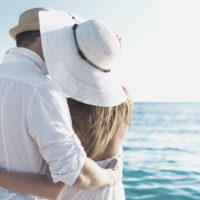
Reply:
x=113 y=164
x=48 y=174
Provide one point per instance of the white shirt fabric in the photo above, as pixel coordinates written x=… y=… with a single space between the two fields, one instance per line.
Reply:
x=35 y=123
x=115 y=192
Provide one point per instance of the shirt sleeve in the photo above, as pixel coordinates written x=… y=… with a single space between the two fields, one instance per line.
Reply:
x=49 y=124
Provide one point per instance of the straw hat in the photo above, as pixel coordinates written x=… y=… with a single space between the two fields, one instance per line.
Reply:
x=28 y=21
x=81 y=57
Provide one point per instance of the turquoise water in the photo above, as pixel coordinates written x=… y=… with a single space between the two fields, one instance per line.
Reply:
x=162 y=152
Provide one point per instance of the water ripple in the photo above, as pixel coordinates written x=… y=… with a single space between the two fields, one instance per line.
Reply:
x=161 y=153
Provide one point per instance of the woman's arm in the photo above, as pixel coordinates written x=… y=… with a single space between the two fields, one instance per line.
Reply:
x=115 y=144
x=31 y=184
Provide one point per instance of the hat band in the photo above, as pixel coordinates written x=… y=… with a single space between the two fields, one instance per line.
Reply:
x=81 y=53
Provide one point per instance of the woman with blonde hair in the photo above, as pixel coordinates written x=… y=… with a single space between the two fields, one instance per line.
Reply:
x=100 y=108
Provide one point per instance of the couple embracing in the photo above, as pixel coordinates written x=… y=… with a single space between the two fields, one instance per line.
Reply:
x=63 y=114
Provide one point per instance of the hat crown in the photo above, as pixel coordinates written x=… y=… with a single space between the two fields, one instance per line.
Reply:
x=98 y=42
x=31 y=16
x=28 y=21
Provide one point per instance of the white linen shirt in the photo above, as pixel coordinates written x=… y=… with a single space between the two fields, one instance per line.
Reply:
x=35 y=123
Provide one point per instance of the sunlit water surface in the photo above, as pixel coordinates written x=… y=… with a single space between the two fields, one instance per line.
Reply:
x=162 y=152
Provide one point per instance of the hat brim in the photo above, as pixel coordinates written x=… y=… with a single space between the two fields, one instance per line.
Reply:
x=78 y=79
x=23 y=28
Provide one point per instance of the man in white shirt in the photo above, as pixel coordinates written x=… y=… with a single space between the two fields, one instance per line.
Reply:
x=35 y=123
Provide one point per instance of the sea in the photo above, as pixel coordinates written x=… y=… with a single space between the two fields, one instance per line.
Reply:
x=162 y=152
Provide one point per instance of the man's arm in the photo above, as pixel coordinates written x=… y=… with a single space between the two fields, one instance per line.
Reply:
x=43 y=187
x=49 y=125
x=30 y=184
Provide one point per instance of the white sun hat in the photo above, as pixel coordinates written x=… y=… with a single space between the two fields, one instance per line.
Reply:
x=80 y=57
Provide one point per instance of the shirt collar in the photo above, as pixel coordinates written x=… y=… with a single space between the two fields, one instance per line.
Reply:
x=18 y=53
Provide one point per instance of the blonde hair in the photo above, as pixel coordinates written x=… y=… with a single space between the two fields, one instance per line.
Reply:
x=96 y=126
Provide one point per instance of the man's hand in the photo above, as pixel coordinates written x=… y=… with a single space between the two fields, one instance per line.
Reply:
x=48 y=175
x=113 y=165
x=92 y=176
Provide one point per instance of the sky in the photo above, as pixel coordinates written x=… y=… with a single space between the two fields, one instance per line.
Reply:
x=160 y=58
